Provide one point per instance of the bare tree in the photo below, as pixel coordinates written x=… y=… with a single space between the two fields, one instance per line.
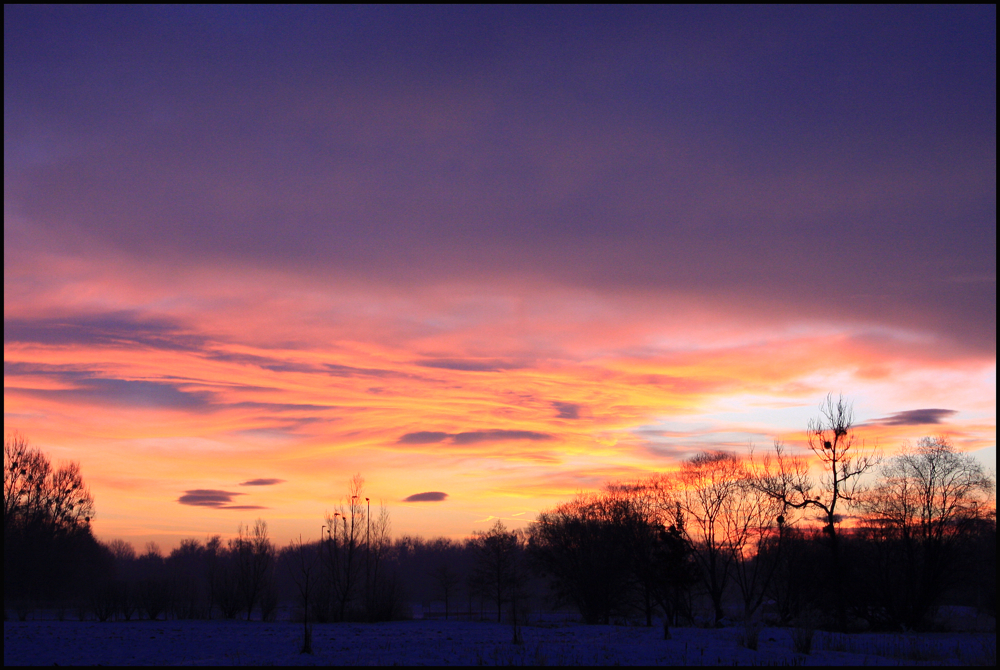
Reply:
x=753 y=522
x=187 y=566
x=383 y=594
x=638 y=519
x=38 y=497
x=254 y=554
x=710 y=487
x=930 y=490
x=49 y=551
x=843 y=460
x=672 y=567
x=500 y=566
x=121 y=550
x=344 y=548
x=302 y=567
x=447 y=581
x=928 y=498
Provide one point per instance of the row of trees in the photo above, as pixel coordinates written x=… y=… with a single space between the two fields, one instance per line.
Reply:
x=743 y=529
x=870 y=541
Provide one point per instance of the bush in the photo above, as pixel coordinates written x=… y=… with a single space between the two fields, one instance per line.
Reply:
x=269 y=605
x=749 y=637
x=802 y=640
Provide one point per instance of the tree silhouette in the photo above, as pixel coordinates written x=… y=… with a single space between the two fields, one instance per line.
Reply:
x=582 y=546
x=843 y=460
x=928 y=499
x=254 y=554
x=500 y=566
x=301 y=561
x=38 y=498
x=708 y=495
x=50 y=553
x=447 y=581
x=344 y=549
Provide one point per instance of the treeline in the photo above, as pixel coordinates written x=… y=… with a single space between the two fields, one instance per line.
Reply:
x=870 y=543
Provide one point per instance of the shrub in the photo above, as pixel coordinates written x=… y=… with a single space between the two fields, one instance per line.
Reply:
x=802 y=639
x=749 y=637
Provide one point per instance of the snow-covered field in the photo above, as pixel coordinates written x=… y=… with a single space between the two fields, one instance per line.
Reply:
x=460 y=642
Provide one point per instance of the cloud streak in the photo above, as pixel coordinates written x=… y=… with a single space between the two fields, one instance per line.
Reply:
x=268 y=481
x=916 y=417
x=213 y=498
x=469 y=365
x=111 y=329
x=428 y=496
x=473 y=437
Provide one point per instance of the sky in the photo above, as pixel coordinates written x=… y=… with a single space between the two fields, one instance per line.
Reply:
x=487 y=257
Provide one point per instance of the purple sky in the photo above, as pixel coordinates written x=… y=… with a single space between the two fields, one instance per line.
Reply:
x=840 y=160
x=435 y=181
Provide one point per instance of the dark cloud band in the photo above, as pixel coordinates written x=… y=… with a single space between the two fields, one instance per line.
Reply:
x=472 y=437
x=428 y=496
x=262 y=482
x=916 y=417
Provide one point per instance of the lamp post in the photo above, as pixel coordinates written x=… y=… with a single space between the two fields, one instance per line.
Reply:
x=368 y=553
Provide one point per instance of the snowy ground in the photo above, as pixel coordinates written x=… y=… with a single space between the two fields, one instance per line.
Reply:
x=459 y=642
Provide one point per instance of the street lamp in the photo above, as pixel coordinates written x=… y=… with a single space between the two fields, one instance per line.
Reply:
x=368 y=553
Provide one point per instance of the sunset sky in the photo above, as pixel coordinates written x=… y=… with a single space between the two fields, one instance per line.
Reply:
x=503 y=254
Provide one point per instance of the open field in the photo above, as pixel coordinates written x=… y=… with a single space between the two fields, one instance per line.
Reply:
x=465 y=643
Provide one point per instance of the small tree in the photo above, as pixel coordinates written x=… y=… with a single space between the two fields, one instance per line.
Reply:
x=302 y=567
x=254 y=556
x=447 y=581
x=500 y=566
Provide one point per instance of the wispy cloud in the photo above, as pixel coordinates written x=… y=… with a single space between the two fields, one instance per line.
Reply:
x=213 y=498
x=470 y=365
x=472 y=437
x=93 y=390
x=566 y=410
x=269 y=481
x=423 y=437
x=467 y=286
x=915 y=417
x=110 y=329
x=429 y=496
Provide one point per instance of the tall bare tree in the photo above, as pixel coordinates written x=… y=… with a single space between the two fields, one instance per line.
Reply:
x=382 y=597
x=710 y=487
x=254 y=555
x=843 y=459
x=302 y=561
x=344 y=548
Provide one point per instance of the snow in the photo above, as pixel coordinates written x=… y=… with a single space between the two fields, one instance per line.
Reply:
x=434 y=642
